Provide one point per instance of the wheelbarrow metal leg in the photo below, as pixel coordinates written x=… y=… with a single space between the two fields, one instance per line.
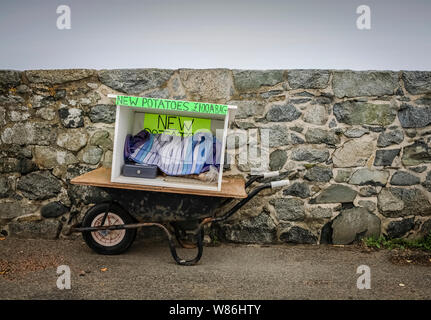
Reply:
x=171 y=242
x=173 y=249
x=182 y=243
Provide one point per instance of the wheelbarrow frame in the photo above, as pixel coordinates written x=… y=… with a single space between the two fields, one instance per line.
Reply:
x=198 y=233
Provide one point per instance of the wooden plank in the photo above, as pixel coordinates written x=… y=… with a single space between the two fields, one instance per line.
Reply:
x=231 y=187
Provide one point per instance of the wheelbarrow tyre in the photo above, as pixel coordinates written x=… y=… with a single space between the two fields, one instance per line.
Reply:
x=127 y=235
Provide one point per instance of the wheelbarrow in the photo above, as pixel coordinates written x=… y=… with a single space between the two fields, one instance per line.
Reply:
x=110 y=227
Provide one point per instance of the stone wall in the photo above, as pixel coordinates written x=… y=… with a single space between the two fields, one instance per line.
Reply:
x=359 y=144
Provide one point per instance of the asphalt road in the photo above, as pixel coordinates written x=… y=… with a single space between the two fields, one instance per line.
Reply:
x=147 y=271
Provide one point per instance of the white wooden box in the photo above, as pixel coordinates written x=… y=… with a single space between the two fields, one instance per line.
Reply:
x=130 y=119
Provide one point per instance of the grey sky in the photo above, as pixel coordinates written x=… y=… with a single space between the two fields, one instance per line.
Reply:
x=239 y=34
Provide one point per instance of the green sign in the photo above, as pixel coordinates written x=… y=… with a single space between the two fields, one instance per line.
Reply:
x=175 y=125
x=174 y=105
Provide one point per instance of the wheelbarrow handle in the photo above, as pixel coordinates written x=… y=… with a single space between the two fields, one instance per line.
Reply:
x=255 y=177
x=280 y=183
x=271 y=174
x=235 y=208
x=240 y=204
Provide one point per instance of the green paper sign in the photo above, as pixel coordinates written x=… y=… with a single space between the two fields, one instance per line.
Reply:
x=175 y=125
x=174 y=105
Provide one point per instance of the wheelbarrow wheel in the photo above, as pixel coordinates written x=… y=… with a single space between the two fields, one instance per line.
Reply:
x=108 y=242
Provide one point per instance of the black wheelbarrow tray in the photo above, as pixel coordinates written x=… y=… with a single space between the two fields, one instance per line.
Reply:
x=110 y=227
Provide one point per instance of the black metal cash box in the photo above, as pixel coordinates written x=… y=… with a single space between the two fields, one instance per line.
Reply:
x=140 y=170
